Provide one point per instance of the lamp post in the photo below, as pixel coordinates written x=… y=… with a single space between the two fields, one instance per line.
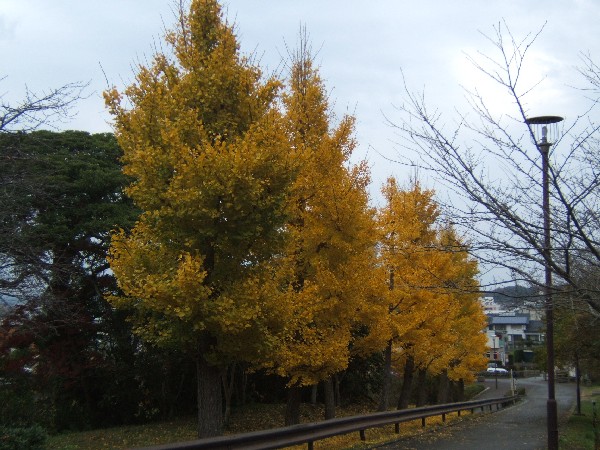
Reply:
x=541 y=124
x=495 y=360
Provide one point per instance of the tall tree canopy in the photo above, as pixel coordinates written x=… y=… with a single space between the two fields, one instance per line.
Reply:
x=329 y=250
x=61 y=195
x=206 y=148
x=435 y=319
x=326 y=266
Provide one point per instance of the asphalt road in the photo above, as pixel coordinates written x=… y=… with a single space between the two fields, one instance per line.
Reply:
x=522 y=426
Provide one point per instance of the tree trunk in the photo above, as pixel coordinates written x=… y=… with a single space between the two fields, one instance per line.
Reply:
x=338 y=396
x=422 y=387
x=210 y=402
x=227 y=379
x=452 y=391
x=443 y=388
x=292 y=409
x=578 y=383
x=313 y=394
x=329 y=398
x=460 y=391
x=386 y=385
x=409 y=369
x=175 y=400
x=243 y=384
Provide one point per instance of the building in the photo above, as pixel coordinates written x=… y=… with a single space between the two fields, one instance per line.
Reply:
x=511 y=331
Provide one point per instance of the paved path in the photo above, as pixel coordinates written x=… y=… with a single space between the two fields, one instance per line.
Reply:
x=522 y=426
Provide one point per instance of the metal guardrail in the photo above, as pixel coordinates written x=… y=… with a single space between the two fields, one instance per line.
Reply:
x=310 y=432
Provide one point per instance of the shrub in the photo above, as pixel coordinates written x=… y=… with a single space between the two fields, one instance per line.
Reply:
x=30 y=438
x=472 y=390
x=17 y=405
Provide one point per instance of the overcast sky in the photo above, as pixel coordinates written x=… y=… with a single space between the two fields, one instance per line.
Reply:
x=363 y=47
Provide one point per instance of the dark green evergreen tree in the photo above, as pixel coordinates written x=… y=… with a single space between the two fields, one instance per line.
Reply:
x=60 y=197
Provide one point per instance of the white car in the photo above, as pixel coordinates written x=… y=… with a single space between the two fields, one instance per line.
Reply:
x=498 y=370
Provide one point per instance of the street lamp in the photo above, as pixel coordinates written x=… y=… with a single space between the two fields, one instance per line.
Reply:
x=540 y=127
x=495 y=359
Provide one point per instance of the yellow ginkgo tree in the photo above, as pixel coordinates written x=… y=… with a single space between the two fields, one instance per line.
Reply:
x=431 y=286
x=406 y=233
x=205 y=146
x=452 y=344
x=325 y=272
x=464 y=354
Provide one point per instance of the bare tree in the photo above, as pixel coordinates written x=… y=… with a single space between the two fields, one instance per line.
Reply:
x=39 y=108
x=491 y=165
x=34 y=110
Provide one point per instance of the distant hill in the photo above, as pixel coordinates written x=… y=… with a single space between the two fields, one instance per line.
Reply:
x=515 y=295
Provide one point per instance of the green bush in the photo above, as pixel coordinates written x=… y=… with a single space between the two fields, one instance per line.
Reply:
x=17 y=406
x=472 y=390
x=30 y=438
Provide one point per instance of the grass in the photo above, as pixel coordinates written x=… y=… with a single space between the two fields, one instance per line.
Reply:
x=578 y=432
x=471 y=390
x=249 y=418
x=125 y=437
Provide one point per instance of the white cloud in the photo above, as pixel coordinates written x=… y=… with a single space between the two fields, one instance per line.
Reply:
x=363 y=46
x=7 y=28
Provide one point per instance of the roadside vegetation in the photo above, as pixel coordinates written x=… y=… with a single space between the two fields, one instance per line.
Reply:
x=253 y=417
x=579 y=432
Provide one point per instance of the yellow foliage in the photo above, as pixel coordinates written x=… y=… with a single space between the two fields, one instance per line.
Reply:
x=207 y=152
x=432 y=289
x=328 y=261
x=256 y=238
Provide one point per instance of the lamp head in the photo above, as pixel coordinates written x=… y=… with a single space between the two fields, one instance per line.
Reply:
x=542 y=125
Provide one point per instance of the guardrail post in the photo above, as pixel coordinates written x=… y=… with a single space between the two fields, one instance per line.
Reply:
x=422 y=421
x=443 y=417
x=458 y=412
x=362 y=435
x=397 y=428
x=310 y=445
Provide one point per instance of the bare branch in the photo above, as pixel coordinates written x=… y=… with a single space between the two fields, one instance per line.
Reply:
x=491 y=166
x=43 y=108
